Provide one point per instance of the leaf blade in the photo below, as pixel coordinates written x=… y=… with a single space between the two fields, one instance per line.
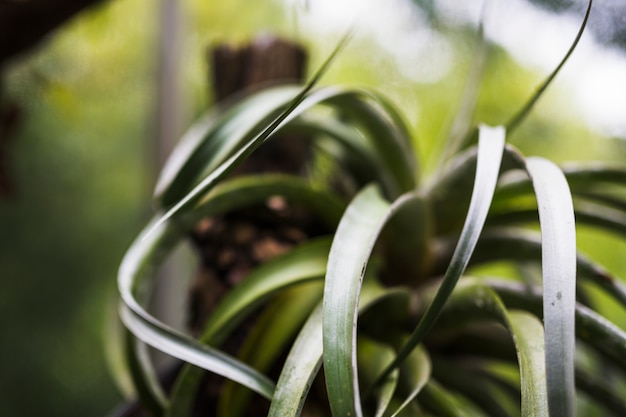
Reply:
x=490 y=150
x=558 y=235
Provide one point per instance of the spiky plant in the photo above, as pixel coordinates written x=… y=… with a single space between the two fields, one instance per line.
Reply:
x=377 y=295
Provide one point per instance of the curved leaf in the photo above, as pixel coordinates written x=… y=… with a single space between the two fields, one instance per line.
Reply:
x=437 y=399
x=350 y=148
x=305 y=358
x=215 y=137
x=523 y=112
x=490 y=149
x=416 y=370
x=210 y=145
x=474 y=302
x=591 y=214
x=372 y=357
x=248 y=191
x=181 y=346
x=347 y=262
x=302 y=264
x=512 y=244
x=450 y=193
x=558 y=242
x=191 y=192
x=272 y=332
x=599 y=333
x=604 y=392
x=583 y=178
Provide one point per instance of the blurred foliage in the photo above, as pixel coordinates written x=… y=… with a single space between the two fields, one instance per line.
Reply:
x=81 y=161
x=79 y=171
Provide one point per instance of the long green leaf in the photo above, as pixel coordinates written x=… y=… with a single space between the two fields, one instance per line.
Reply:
x=220 y=171
x=475 y=302
x=592 y=214
x=558 y=236
x=525 y=109
x=302 y=264
x=347 y=262
x=181 y=346
x=582 y=178
x=272 y=331
x=300 y=369
x=513 y=244
x=437 y=399
x=596 y=331
x=490 y=149
x=605 y=394
x=144 y=254
x=305 y=357
x=415 y=373
x=372 y=357
x=248 y=191
x=354 y=240
x=215 y=137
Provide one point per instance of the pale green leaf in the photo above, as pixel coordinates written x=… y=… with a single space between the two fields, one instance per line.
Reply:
x=558 y=242
x=269 y=337
x=305 y=357
x=490 y=150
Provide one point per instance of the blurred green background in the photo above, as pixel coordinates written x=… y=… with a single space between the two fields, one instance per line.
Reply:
x=82 y=158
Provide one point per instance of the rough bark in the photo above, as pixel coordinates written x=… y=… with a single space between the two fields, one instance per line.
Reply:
x=232 y=245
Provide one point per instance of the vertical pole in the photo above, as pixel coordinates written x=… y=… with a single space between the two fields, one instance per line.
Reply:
x=169 y=298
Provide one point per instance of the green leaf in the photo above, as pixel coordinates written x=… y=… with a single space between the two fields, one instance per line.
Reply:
x=437 y=399
x=248 y=144
x=347 y=262
x=348 y=146
x=387 y=133
x=183 y=347
x=300 y=368
x=305 y=358
x=247 y=191
x=454 y=376
x=490 y=149
x=592 y=214
x=143 y=255
x=527 y=107
x=583 y=178
x=604 y=392
x=521 y=245
x=372 y=358
x=304 y=263
x=272 y=332
x=527 y=332
x=215 y=137
x=382 y=134
x=558 y=235
x=596 y=331
x=415 y=373
x=450 y=193
x=473 y=302
x=143 y=375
